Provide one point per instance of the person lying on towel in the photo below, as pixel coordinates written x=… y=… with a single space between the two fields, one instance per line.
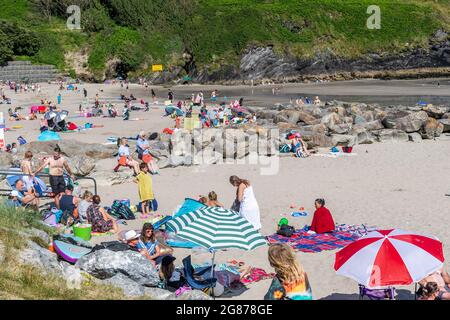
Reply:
x=322 y=221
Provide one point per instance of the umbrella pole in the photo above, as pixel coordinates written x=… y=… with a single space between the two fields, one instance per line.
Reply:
x=212 y=272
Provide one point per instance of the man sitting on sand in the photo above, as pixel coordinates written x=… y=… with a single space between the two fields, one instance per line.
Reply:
x=442 y=278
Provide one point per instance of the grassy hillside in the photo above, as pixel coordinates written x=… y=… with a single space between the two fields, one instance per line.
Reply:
x=141 y=32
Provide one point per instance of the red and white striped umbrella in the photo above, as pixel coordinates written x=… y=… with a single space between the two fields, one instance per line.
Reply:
x=389 y=257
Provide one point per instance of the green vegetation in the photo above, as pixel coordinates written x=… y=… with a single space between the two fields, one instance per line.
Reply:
x=27 y=282
x=140 y=32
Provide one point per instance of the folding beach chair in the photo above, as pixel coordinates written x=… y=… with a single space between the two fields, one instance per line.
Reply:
x=190 y=274
x=376 y=294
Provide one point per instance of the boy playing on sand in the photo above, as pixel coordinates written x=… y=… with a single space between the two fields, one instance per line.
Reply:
x=145 y=186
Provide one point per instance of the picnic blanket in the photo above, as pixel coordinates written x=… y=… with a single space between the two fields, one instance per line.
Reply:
x=304 y=242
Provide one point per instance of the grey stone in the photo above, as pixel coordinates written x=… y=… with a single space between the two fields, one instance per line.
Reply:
x=6 y=160
x=392 y=135
x=343 y=140
x=371 y=125
x=159 y=294
x=73 y=148
x=81 y=165
x=110 y=178
x=446 y=125
x=435 y=111
x=39 y=257
x=105 y=264
x=412 y=122
x=415 y=137
x=194 y=295
x=130 y=288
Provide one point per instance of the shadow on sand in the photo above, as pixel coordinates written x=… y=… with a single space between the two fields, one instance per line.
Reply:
x=401 y=294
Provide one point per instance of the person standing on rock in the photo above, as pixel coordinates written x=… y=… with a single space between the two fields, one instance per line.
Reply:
x=56 y=165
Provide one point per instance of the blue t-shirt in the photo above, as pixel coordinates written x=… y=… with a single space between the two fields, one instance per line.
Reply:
x=150 y=246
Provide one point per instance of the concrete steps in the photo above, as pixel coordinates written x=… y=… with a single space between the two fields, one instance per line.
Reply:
x=19 y=71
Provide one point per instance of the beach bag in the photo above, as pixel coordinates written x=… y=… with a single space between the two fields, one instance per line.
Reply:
x=49 y=218
x=236 y=206
x=285 y=148
x=153 y=205
x=68 y=219
x=286 y=231
x=123 y=161
x=120 y=211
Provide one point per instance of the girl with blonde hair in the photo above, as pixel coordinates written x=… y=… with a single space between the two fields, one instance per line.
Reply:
x=291 y=281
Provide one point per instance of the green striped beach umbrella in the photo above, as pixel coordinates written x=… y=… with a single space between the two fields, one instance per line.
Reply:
x=217 y=228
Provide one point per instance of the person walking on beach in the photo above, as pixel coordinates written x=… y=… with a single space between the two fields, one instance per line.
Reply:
x=153 y=95
x=170 y=96
x=245 y=202
x=56 y=165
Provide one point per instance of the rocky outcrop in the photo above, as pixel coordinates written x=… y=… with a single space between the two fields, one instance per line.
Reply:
x=262 y=64
x=72 y=148
x=105 y=264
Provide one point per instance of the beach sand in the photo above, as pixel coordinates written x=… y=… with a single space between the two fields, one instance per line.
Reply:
x=388 y=185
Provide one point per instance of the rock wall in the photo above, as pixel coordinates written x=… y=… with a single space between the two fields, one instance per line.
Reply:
x=261 y=64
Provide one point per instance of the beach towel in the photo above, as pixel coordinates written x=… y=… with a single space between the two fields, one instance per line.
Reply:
x=257 y=274
x=357 y=229
x=304 y=242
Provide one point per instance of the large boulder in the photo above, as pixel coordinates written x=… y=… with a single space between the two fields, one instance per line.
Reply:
x=432 y=129
x=6 y=160
x=72 y=148
x=105 y=264
x=332 y=119
x=391 y=135
x=370 y=125
x=41 y=258
x=446 y=124
x=390 y=118
x=415 y=137
x=81 y=165
x=363 y=136
x=342 y=128
x=111 y=178
x=318 y=140
x=412 y=122
x=435 y=111
x=129 y=287
x=345 y=140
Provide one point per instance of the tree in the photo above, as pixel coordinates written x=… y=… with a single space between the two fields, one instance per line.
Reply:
x=6 y=52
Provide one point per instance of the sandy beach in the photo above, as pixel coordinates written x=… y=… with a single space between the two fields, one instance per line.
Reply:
x=387 y=185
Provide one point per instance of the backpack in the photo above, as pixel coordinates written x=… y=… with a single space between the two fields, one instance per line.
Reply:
x=121 y=211
x=286 y=231
x=68 y=218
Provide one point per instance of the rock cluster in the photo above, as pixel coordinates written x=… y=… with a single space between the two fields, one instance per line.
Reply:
x=127 y=270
